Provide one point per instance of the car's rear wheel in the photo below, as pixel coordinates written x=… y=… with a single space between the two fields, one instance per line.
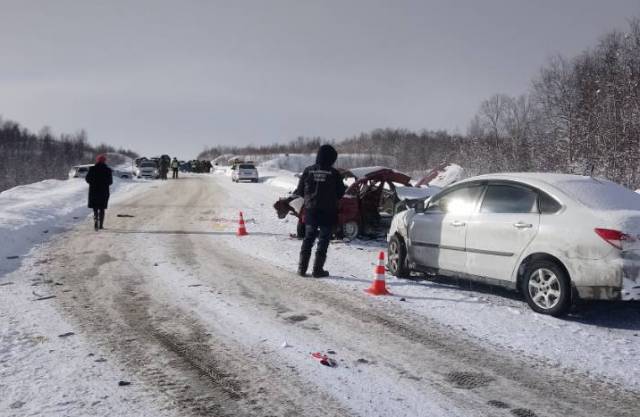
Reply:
x=546 y=288
x=397 y=257
x=350 y=230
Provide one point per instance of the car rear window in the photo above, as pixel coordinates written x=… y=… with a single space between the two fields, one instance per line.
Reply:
x=547 y=204
x=247 y=166
x=600 y=194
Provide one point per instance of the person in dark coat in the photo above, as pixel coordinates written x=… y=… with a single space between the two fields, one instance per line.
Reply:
x=322 y=186
x=99 y=179
x=164 y=168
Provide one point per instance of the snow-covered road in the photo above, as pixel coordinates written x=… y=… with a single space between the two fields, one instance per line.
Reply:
x=197 y=319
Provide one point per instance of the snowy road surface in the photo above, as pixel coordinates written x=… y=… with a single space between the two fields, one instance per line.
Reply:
x=169 y=300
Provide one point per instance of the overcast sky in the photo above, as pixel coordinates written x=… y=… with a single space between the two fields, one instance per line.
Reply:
x=176 y=76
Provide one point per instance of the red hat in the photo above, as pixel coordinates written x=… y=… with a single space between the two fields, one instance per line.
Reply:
x=101 y=159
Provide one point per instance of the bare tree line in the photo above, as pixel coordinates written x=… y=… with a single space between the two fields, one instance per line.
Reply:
x=29 y=157
x=580 y=116
x=301 y=145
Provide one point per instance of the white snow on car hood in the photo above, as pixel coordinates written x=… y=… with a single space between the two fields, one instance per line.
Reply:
x=415 y=193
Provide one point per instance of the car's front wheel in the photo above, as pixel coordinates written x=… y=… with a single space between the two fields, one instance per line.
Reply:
x=397 y=257
x=350 y=230
x=546 y=288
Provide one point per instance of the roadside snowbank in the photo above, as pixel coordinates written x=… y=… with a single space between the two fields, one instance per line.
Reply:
x=298 y=162
x=30 y=214
x=286 y=180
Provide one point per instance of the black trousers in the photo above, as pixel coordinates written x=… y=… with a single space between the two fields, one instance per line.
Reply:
x=175 y=174
x=98 y=215
x=311 y=233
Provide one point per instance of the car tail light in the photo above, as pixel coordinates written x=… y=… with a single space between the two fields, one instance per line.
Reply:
x=614 y=237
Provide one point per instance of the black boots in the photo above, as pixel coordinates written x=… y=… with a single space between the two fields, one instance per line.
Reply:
x=98 y=219
x=318 y=264
x=303 y=264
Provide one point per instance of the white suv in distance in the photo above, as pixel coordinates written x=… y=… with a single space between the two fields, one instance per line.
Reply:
x=147 y=169
x=554 y=237
x=244 y=172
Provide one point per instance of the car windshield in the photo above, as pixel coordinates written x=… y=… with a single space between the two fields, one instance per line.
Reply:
x=247 y=166
x=148 y=165
x=83 y=169
x=601 y=194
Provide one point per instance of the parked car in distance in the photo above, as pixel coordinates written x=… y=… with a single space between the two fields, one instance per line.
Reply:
x=147 y=169
x=244 y=172
x=556 y=238
x=79 y=171
x=122 y=174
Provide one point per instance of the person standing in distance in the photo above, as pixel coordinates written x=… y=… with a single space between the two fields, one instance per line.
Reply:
x=322 y=186
x=175 y=165
x=99 y=179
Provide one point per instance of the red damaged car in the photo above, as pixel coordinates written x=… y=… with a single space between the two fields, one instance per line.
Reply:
x=373 y=196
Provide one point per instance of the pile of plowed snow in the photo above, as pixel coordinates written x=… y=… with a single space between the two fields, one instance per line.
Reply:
x=296 y=162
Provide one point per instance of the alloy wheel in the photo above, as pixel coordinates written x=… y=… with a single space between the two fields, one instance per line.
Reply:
x=544 y=288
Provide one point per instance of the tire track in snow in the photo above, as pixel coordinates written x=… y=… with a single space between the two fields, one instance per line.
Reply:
x=197 y=371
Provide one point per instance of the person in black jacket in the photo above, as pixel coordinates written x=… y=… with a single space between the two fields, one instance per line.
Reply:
x=322 y=186
x=99 y=179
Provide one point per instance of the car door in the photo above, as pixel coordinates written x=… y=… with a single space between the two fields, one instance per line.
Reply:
x=505 y=224
x=437 y=235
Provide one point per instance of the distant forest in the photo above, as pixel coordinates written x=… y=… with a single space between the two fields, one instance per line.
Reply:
x=29 y=157
x=580 y=115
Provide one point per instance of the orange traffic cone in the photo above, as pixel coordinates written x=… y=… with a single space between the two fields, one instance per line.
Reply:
x=242 y=230
x=378 y=287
